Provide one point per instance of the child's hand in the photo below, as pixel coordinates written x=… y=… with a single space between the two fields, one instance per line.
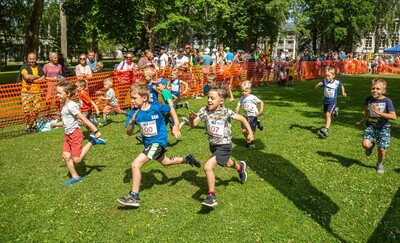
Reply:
x=175 y=131
x=231 y=100
x=250 y=138
x=192 y=115
x=344 y=94
x=53 y=125
x=375 y=109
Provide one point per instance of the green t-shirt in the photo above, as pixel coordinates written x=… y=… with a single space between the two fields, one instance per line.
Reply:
x=166 y=95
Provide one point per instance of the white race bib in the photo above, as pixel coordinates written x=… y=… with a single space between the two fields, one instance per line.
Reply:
x=148 y=129
x=216 y=128
x=329 y=93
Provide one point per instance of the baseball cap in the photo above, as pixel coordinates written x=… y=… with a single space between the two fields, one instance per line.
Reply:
x=162 y=48
x=214 y=50
x=162 y=81
x=227 y=48
x=187 y=46
x=207 y=51
x=180 y=50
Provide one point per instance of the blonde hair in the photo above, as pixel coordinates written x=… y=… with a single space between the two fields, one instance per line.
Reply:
x=246 y=85
x=99 y=64
x=149 y=72
x=52 y=54
x=68 y=87
x=109 y=81
x=379 y=80
x=141 y=89
x=330 y=70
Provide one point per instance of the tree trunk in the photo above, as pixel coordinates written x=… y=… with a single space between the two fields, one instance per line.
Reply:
x=32 y=34
x=150 y=30
x=377 y=38
x=63 y=24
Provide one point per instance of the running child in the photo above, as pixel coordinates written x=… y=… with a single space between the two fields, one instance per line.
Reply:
x=176 y=89
x=73 y=152
x=85 y=102
x=331 y=86
x=217 y=121
x=249 y=102
x=378 y=112
x=212 y=79
x=155 y=136
x=112 y=102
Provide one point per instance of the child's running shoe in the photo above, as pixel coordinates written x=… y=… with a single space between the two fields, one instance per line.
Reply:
x=379 y=168
x=190 y=159
x=336 y=112
x=95 y=140
x=73 y=180
x=324 y=131
x=242 y=173
x=369 y=150
x=260 y=126
x=186 y=105
x=185 y=121
x=210 y=201
x=103 y=123
x=129 y=200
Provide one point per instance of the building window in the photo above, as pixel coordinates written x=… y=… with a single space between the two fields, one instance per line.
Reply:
x=368 y=42
x=382 y=42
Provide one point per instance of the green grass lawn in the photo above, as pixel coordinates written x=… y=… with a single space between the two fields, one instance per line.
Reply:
x=301 y=186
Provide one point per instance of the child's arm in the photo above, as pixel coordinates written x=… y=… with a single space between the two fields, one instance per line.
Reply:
x=391 y=115
x=194 y=119
x=175 y=129
x=231 y=99
x=129 y=128
x=95 y=107
x=186 y=86
x=174 y=97
x=243 y=120
x=58 y=124
x=319 y=85
x=261 y=108
x=344 y=91
x=90 y=125
x=237 y=108
x=105 y=98
x=366 y=114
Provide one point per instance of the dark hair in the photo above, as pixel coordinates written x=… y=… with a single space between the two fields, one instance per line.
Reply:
x=68 y=87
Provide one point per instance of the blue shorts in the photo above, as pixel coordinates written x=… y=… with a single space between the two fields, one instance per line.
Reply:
x=381 y=135
x=252 y=121
x=329 y=108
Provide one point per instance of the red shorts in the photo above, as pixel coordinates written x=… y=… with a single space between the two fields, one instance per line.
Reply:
x=73 y=143
x=108 y=108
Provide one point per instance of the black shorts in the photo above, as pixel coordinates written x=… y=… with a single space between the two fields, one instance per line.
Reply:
x=329 y=108
x=252 y=121
x=221 y=152
x=168 y=119
x=154 y=151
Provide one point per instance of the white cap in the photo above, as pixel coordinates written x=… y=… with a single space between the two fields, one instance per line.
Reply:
x=207 y=51
x=214 y=50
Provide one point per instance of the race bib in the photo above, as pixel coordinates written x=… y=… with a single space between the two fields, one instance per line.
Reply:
x=329 y=93
x=175 y=87
x=216 y=128
x=148 y=129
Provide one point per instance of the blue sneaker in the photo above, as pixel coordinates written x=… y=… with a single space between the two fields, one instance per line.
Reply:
x=72 y=181
x=95 y=140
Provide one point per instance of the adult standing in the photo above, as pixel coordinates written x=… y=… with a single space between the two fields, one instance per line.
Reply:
x=145 y=61
x=127 y=65
x=91 y=61
x=229 y=55
x=181 y=61
x=163 y=58
x=30 y=74
x=52 y=71
x=83 y=69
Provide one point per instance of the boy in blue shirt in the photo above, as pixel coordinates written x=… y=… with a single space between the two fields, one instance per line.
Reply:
x=331 y=86
x=169 y=117
x=175 y=84
x=378 y=112
x=155 y=137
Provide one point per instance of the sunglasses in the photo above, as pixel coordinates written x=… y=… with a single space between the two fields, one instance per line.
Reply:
x=128 y=57
x=82 y=58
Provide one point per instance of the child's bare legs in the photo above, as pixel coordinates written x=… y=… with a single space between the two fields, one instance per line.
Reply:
x=208 y=169
x=70 y=161
x=381 y=154
x=137 y=163
x=328 y=117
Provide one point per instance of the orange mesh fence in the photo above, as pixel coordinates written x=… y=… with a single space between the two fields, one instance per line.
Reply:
x=18 y=107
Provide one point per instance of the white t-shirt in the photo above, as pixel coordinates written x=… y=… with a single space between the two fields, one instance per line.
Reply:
x=249 y=105
x=181 y=61
x=68 y=116
x=163 y=60
x=82 y=70
x=110 y=93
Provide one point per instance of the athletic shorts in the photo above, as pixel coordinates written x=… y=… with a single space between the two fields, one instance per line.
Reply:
x=252 y=121
x=381 y=135
x=73 y=143
x=221 y=152
x=154 y=151
x=329 y=108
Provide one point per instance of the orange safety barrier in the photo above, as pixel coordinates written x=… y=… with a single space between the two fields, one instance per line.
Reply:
x=18 y=108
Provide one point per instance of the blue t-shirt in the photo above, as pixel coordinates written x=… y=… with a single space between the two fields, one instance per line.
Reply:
x=152 y=125
x=153 y=99
x=207 y=59
x=384 y=105
x=229 y=56
x=92 y=64
x=176 y=87
x=331 y=91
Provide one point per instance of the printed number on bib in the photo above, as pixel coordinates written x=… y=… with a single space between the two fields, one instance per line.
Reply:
x=329 y=93
x=175 y=88
x=148 y=129
x=216 y=128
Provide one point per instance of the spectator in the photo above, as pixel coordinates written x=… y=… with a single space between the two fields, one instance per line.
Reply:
x=82 y=69
x=127 y=65
x=91 y=61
